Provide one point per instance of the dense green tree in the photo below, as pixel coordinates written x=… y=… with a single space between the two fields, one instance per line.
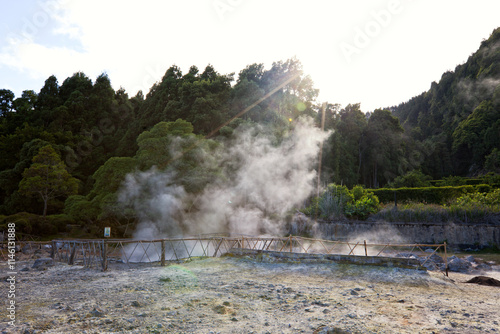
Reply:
x=476 y=136
x=48 y=99
x=24 y=107
x=352 y=126
x=6 y=101
x=382 y=148
x=342 y=153
x=492 y=163
x=77 y=82
x=47 y=177
x=11 y=201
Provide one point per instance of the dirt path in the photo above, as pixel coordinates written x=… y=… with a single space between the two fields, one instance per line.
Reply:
x=230 y=295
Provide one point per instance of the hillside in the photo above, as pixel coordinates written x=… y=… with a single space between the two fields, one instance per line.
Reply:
x=456 y=122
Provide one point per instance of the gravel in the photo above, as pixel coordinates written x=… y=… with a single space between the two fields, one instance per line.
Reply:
x=239 y=295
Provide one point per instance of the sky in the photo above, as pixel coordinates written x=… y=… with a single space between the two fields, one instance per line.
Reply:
x=375 y=52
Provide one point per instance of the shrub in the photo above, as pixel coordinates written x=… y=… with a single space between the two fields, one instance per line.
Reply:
x=358 y=192
x=366 y=205
x=480 y=198
x=338 y=202
x=28 y=223
x=80 y=209
x=331 y=204
x=414 y=178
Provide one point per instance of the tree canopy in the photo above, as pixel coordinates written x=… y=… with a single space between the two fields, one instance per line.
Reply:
x=47 y=177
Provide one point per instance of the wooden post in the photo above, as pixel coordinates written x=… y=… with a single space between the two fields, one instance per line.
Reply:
x=445 y=259
x=163 y=253
x=71 y=259
x=53 y=251
x=104 y=255
x=366 y=251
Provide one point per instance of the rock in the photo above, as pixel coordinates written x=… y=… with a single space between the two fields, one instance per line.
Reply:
x=27 y=249
x=135 y=303
x=407 y=255
x=220 y=309
x=96 y=312
x=43 y=263
x=433 y=262
x=458 y=265
x=470 y=259
x=483 y=267
x=331 y=330
x=436 y=259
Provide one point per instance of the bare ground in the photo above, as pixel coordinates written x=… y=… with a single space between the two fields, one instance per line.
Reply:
x=235 y=295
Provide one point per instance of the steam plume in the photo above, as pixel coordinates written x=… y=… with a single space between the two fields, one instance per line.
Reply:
x=264 y=178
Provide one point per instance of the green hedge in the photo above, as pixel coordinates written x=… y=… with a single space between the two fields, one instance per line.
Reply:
x=492 y=179
x=431 y=195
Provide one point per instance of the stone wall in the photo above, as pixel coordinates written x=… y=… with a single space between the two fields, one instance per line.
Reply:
x=460 y=235
x=273 y=257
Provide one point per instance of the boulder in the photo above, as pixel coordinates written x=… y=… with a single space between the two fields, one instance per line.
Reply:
x=459 y=265
x=28 y=249
x=433 y=262
x=43 y=263
x=470 y=259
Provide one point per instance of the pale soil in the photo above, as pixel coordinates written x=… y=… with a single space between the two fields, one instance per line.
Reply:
x=231 y=295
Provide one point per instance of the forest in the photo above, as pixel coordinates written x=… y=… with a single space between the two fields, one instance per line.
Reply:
x=66 y=150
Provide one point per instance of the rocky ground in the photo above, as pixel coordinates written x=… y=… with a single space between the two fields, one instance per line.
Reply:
x=240 y=295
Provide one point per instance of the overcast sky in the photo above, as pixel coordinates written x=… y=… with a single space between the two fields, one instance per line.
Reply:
x=376 y=52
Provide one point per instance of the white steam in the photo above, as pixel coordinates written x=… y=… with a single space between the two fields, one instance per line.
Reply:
x=154 y=199
x=262 y=181
x=474 y=91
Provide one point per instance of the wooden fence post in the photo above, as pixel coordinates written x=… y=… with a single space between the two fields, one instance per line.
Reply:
x=445 y=259
x=71 y=260
x=53 y=251
x=163 y=253
x=104 y=255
